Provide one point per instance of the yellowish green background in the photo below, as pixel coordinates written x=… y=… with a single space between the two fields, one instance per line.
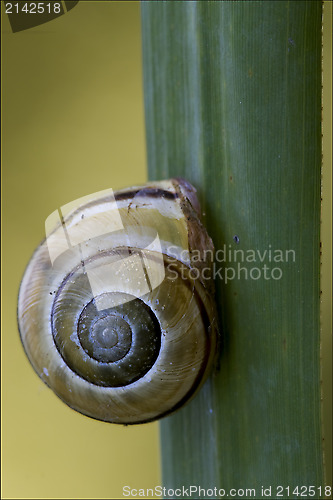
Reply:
x=73 y=124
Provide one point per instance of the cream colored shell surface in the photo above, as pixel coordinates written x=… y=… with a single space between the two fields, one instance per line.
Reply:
x=160 y=223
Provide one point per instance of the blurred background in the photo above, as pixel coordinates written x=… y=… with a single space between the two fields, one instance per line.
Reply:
x=73 y=124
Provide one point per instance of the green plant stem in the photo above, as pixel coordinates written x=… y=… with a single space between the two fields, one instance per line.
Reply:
x=233 y=104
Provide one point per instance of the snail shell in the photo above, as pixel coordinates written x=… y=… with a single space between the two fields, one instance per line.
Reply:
x=116 y=308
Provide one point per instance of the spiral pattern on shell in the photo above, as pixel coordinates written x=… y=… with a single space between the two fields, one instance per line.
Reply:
x=110 y=314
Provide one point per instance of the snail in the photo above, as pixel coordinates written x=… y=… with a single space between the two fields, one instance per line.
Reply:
x=116 y=307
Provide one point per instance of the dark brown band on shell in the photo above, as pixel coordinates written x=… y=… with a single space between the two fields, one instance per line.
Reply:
x=149 y=192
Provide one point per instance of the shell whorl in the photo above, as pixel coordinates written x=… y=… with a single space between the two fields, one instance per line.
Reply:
x=110 y=313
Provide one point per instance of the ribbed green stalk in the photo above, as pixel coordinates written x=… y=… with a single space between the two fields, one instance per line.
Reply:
x=232 y=100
